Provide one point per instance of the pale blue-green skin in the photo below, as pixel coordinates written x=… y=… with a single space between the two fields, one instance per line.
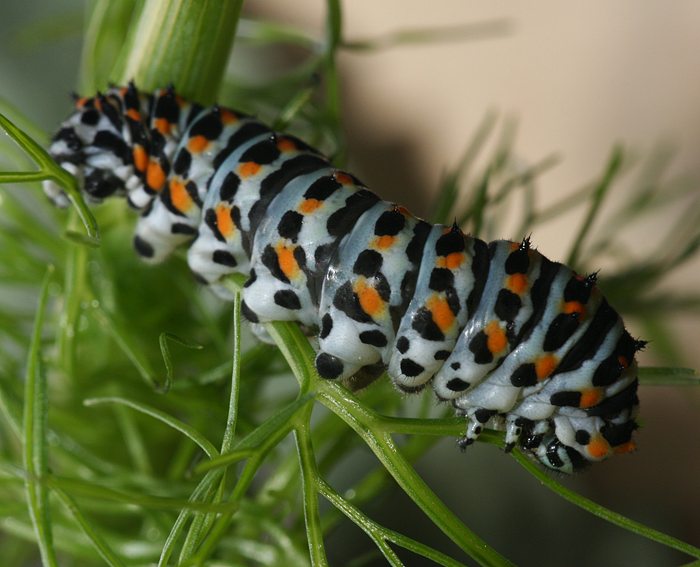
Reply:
x=489 y=386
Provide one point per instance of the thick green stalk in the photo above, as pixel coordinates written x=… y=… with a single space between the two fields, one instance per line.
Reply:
x=183 y=42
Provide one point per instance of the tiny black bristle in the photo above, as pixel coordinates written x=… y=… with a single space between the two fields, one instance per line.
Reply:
x=592 y=278
x=525 y=244
x=74 y=96
x=640 y=344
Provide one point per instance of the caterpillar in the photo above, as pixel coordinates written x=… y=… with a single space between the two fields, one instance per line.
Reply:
x=515 y=341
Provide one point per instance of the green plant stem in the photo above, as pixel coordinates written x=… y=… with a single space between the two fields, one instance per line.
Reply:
x=182 y=42
x=35 y=427
x=309 y=473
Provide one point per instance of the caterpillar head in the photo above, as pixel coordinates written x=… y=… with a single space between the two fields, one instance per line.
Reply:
x=93 y=144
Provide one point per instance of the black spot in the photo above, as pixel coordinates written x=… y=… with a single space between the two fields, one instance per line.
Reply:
x=441 y=279
x=113 y=143
x=480 y=270
x=410 y=368
x=341 y=221
x=229 y=186
x=224 y=258
x=389 y=223
x=517 y=262
x=577 y=290
x=507 y=305
x=479 y=347
x=610 y=407
x=326 y=326
x=414 y=250
x=143 y=248
x=70 y=138
x=182 y=163
x=322 y=188
x=248 y=313
x=571 y=399
x=578 y=461
x=368 y=263
x=442 y=355
x=328 y=366
x=588 y=344
x=252 y=277
x=166 y=107
x=425 y=326
x=273 y=184
x=211 y=222
x=482 y=415
x=374 y=338
x=346 y=300
x=449 y=243
x=524 y=375
x=238 y=138
x=287 y=298
x=607 y=372
x=290 y=225
x=457 y=385
x=583 y=437
x=455 y=366
x=539 y=294
x=270 y=260
x=90 y=117
x=262 y=153
x=209 y=126
x=563 y=326
x=402 y=345
x=182 y=228
x=617 y=434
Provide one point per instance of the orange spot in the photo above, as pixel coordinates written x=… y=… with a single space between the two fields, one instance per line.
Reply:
x=545 y=365
x=248 y=169
x=162 y=125
x=140 y=158
x=497 y=339
x=623 y=361
x=342 y=178
x=98 y=104
x=197 y=144
x=514 y=246
x=227 y=117
x=155 y=176
x=574 y=307
x=403 y=210
x=309 y=205
x=517 y=283
x=134 y=114
x=287 y=262
x=286 y=145
x=454 y=260
x=590 y=397
x=384 y=242
x=369 y=298
x=224 y=222
x=179 y=196
x=627 y=447
x=81 y=102
x=598 y=447
x=441 y=312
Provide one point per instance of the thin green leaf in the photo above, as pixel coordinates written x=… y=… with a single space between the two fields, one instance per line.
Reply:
x=34 y=435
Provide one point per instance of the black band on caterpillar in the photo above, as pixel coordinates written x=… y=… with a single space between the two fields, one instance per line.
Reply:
x=514 y=340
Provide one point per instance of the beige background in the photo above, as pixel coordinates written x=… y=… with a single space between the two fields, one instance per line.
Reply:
x=578 y=78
